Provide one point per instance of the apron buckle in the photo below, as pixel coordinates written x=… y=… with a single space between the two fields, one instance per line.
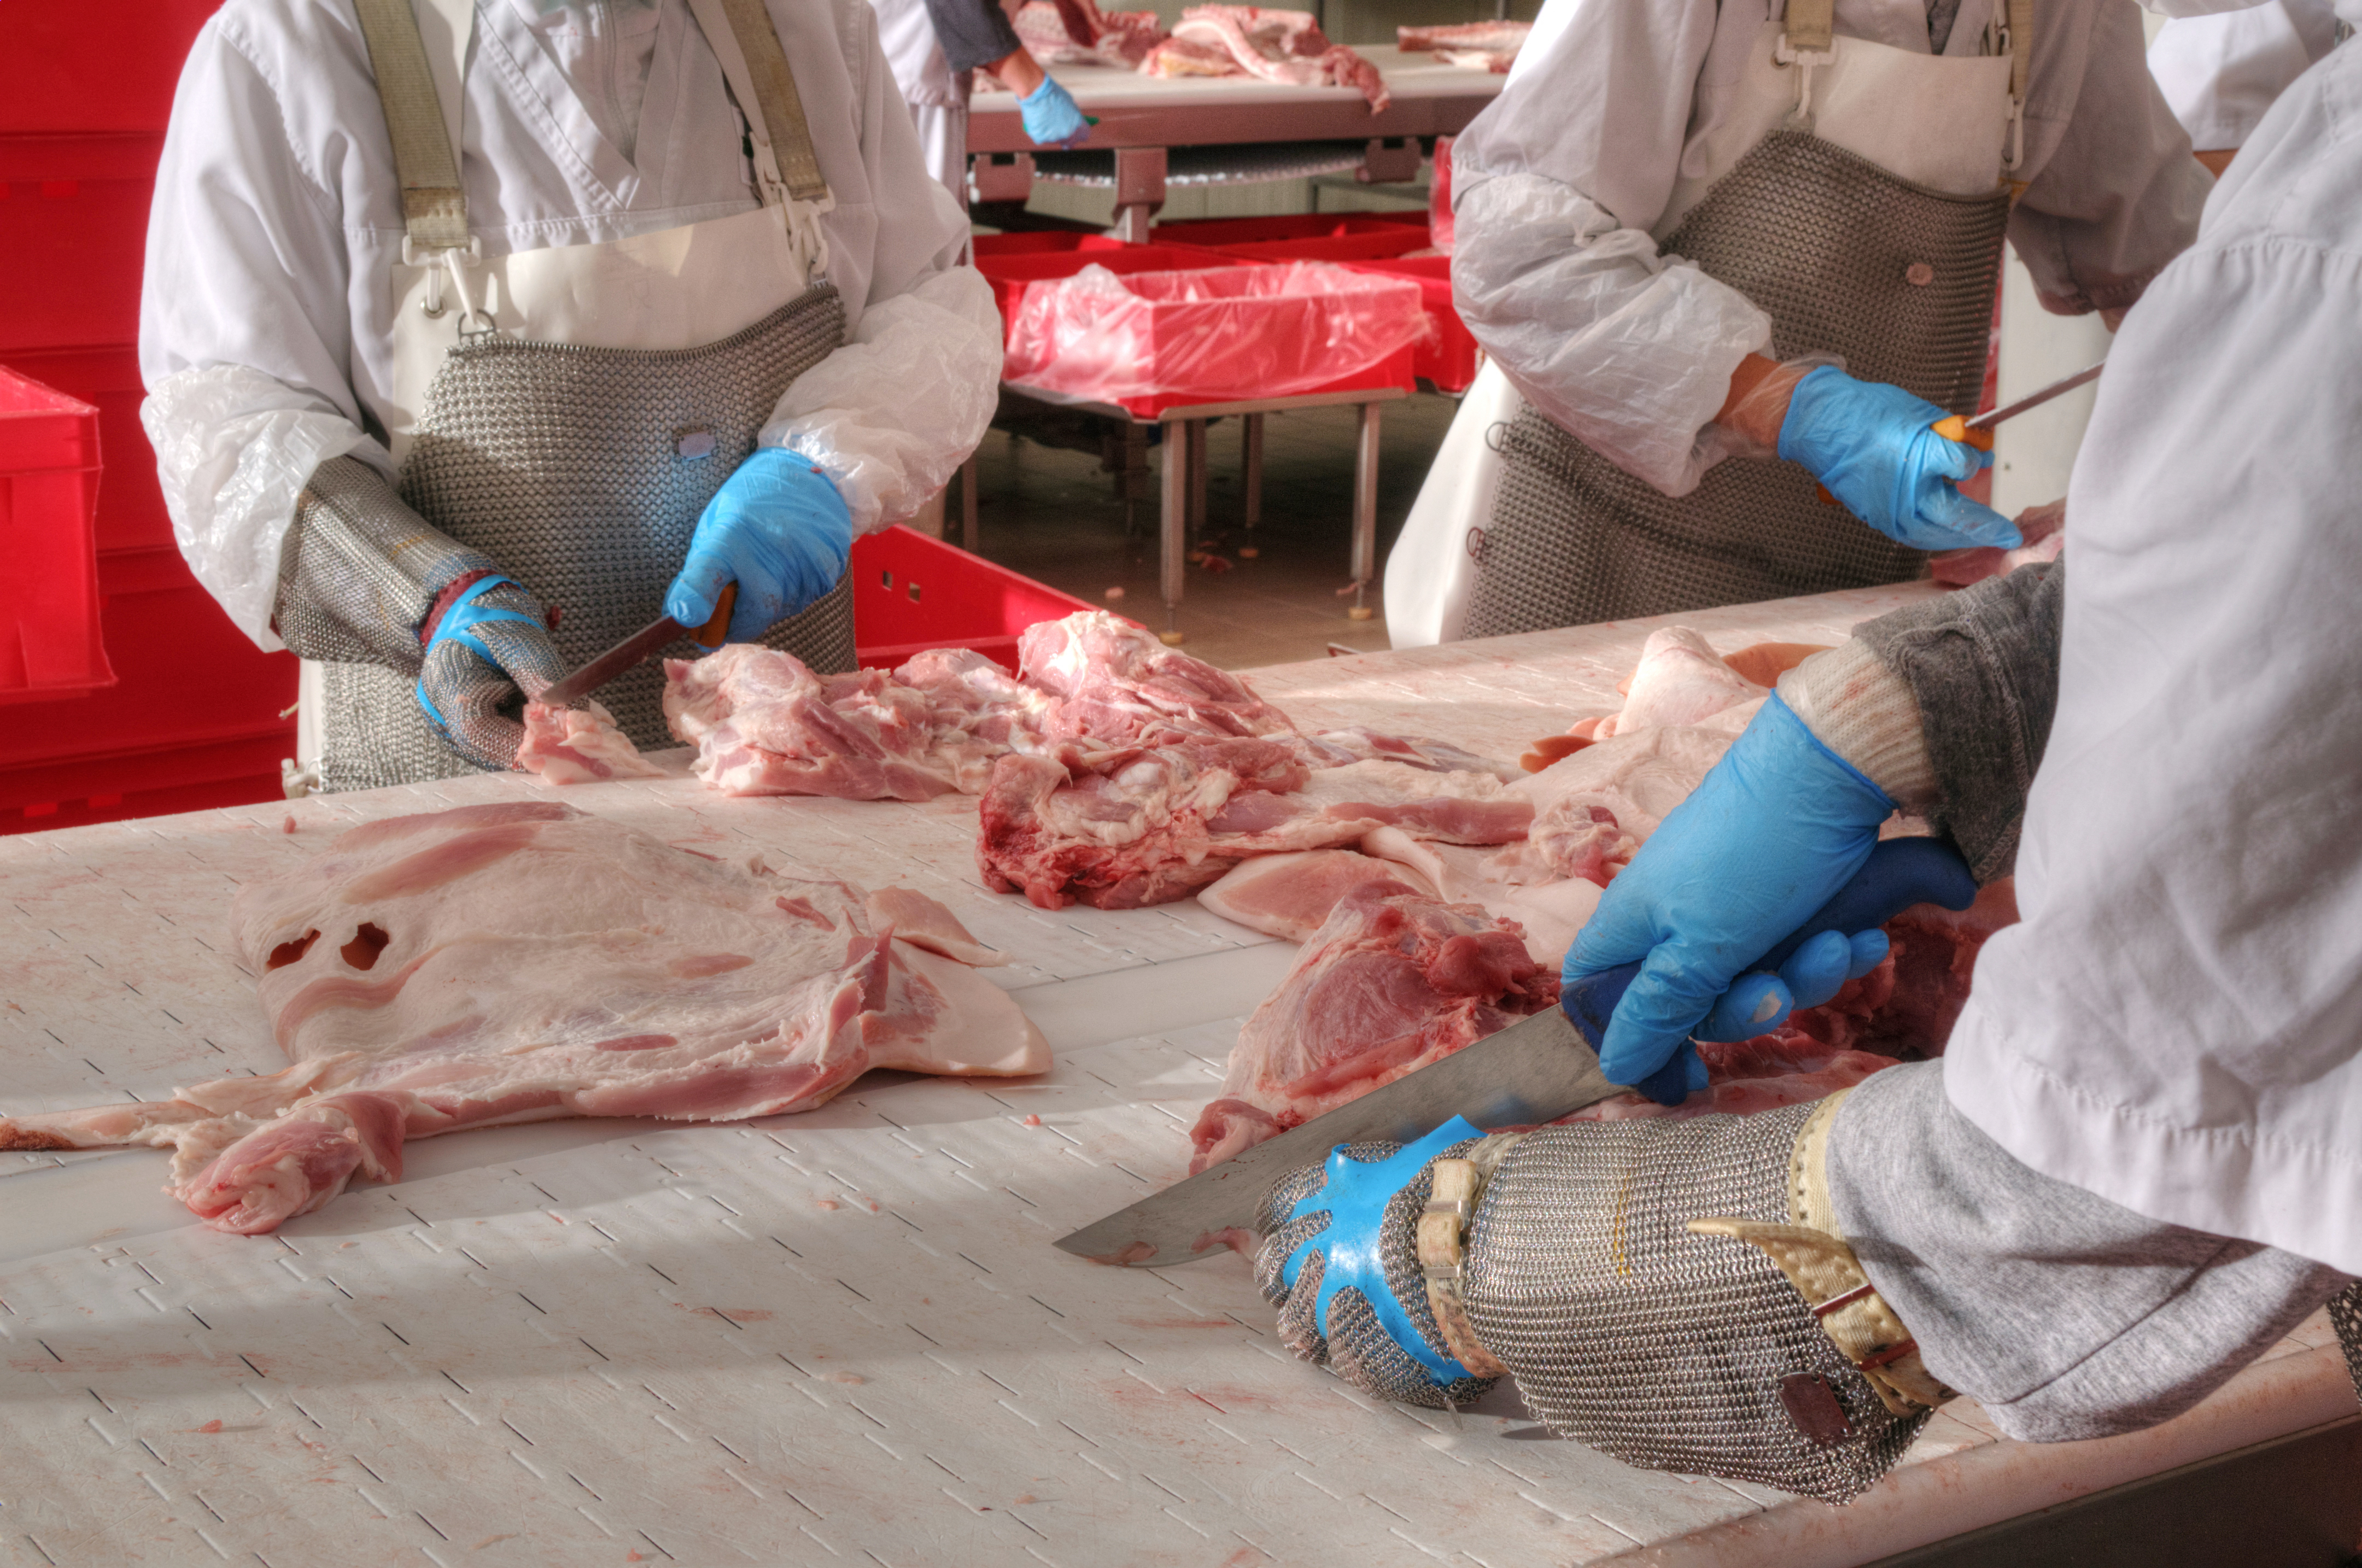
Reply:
x=1804 y=59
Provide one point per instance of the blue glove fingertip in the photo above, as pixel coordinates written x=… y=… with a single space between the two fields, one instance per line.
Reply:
x=1869 y=950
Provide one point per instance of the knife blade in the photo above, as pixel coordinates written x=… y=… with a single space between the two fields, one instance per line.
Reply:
x=1537 y=1070
x=657 y=635
x=1957 y=427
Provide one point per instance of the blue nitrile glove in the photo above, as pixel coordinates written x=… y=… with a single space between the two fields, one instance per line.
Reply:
x=1873 y=445
x=490 y=649
x=1051 y=117
x=1338 y=1240
x=777 y=528
x=1774 y=829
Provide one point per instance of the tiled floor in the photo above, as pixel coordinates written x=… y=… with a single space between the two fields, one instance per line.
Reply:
x=1052 y=515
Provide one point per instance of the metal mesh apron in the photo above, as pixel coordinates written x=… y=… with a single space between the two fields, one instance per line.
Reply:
x=565 y=464
x=1826 y=243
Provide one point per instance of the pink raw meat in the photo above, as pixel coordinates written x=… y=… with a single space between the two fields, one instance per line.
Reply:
x=1391 y=981
x=1114 y=684
x=1079 y=32
x=526 y=961
x=1762 y=1073
x=1500 y=40
x=2043 y=529
x=1289 y=896
x=1284 y=47
x=1595 y=809
x=1146 y=826
x=579 y=746
x=1679 y=681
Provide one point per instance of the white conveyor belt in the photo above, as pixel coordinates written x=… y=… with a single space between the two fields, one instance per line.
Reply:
x=836 y=1336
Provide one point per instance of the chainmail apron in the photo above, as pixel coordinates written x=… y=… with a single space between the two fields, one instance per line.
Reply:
x=1826 y=244
x=568 y=466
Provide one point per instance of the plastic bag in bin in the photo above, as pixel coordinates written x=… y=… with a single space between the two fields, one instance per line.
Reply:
x=1229 y=333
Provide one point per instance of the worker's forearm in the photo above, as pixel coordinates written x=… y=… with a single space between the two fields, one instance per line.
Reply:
x=1020 y=70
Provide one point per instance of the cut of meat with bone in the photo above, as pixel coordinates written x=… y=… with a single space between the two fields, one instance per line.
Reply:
x=1283 y=46
x=526 y=961
x=1391 y=981
x=1074 y=32
x=1115 y=685
x=579 y=746
x=1146 y=826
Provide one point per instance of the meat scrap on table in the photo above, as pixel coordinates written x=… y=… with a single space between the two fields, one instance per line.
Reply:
x=1485 y=46
x=1283 y=46
x=526 y=961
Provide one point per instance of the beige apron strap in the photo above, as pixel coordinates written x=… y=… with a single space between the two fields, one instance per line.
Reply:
x=2020 y=57
x=1807 y=38
x=747 y=45
x=425 y=156
x=1811 y=24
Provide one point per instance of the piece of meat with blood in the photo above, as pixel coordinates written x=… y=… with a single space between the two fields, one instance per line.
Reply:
x=1113 y=684
x=1283 y=46
x=526 y=961
x=579 y=746
x=1486 y=46
x=1390 y=982
x=1594 y=810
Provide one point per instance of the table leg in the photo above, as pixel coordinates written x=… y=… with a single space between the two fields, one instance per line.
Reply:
x=967 y=505
x=1197 y=449
x=1365 y=510
x=1173 y=514
x=1251 y=481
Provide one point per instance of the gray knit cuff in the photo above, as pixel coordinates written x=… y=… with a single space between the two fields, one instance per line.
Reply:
x=1867 y=714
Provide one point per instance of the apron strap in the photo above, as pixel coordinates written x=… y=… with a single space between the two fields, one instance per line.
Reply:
x=744 y=40
x=2021 y=56
x=1811 y=24
x=421 y=104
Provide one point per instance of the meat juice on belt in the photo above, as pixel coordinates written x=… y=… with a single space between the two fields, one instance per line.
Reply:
x=1434 y=892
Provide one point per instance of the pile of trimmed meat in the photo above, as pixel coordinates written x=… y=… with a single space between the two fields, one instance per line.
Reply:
x=1483 y=46
x=526 y=961
x=1284 y=47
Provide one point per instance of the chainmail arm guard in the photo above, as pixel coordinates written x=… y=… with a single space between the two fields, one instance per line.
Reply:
x=1667 y=1350
x=359 y=571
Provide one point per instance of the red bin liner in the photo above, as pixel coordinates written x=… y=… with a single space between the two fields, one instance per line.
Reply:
x=1013 y=274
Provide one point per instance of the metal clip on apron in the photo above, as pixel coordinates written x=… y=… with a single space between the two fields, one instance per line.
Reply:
x=1847 y=257
x=569 y=411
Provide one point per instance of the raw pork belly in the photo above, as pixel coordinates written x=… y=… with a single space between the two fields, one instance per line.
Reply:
x=1595 y=809
x=526 y=961
x=1284 y=47
x=1487 y=46
x=1113 y=684
x=1391 y=981
x=1146 y=826
x=1079 y=32
x=1291 y=895
x=579 y=746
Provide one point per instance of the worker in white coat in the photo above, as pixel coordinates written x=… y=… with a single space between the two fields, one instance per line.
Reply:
x=481 y=334
x=935 y=48
x=2220 y=72
x=1730 y=261
x=2139 y=1163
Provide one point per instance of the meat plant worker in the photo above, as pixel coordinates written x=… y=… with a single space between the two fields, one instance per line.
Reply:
x=1732 y=260
x=2139 y=1163
x=935 y=47
x=478 y=335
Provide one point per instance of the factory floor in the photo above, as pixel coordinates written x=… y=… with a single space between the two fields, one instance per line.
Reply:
x=1053 y=515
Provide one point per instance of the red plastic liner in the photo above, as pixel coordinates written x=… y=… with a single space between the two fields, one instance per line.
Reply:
x=911 y=593
x=1013 y=275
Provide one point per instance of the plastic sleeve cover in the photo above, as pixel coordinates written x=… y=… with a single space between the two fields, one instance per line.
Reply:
x=234 y=449
x=894 y=412
x=1630 y=350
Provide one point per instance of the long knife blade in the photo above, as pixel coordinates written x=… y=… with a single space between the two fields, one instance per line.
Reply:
x=646 y=643
x=1537 y=1070
x=2059 y=388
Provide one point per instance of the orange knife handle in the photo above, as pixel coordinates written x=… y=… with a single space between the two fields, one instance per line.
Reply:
x=711 y=635
x=1953 y=428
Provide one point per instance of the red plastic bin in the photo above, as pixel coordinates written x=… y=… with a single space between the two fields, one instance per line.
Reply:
x=1012 y=275
x=1449 y=360
x=1289 y=226
x=911 y=593
x=50 y=641
x=1378 y=244
x=1042 y=242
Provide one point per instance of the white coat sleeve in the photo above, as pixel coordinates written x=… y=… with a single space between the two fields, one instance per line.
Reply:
x=244 y=330
x=891 y=413
x=2120 y=194
x=1555 y=188
x=2219 y=73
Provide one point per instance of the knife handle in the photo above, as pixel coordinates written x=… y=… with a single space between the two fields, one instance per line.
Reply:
x=1900 y=872
x=709 y=635
x=1955 y=428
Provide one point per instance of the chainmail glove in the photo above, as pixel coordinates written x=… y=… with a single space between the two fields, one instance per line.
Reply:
x=1626 y=1330
x=1338 y=1260
x=360 y=571
x=489 y=652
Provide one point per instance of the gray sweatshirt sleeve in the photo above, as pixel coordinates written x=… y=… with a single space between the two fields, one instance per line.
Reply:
x=972 y=32
x=1983 y=666
x=2063 y=1315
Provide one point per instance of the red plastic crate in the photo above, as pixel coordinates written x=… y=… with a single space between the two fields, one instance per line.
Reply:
x=73 y=232
x=1012 y=275
x=50 y=644
x=131 y=514
x=1379 y=243
x=1449 y=360
x=1289 y=226
x=94 y=65
x=911 y=593
x=1042 y=242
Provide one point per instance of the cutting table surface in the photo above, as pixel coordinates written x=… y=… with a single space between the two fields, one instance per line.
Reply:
x=840 y=1336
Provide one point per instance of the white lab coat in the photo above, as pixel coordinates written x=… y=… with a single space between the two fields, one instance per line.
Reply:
x=266 y=312
x=2220 y=72
x=1562 y=190
x=934 y=91
x=2177 y=1024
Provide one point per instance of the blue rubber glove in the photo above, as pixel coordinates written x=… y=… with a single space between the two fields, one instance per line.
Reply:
x=1873 y=445
x=1776 y=828
x=777 y=528
x=1051 y=117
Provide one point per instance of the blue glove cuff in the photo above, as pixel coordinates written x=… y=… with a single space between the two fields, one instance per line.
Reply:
x=1776 y=714
x=1355 y=1199
x=457 y=625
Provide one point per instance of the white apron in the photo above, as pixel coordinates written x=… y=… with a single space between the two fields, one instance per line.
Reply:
x=1946 y=123
x=675 y=289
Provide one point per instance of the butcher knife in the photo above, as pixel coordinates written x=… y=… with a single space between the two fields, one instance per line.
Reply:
x=1977 y=431
x=1537 y=1070
x=658 y=633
